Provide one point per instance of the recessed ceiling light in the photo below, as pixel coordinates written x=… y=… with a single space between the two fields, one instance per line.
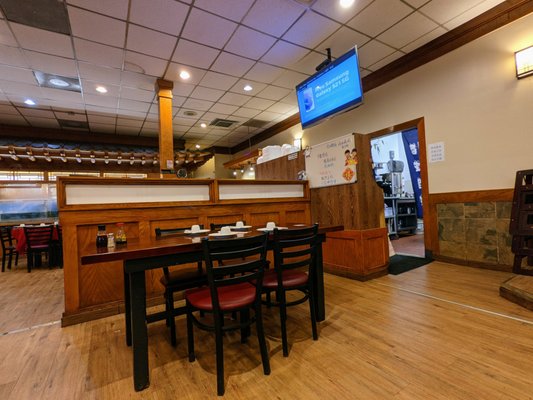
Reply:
x=197 y=146
x=203 y=125
x=29 y=102
x=58 y=82
x=184 y=75
x=101 y=89
x=346 y=3
x=247 y=88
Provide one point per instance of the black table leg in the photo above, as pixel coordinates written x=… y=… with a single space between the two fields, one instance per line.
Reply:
x=320 y=307
x=127 y=307
x=139 y=330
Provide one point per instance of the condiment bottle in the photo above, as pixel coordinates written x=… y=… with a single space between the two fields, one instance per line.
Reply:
x=101 y=236
x=110 y=240
x=121 y=234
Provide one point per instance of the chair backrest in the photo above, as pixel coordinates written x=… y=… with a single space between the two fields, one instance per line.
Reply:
x=171 y=231
x=38 y=236
x=295 y=248
x=218 y=226
x=7 y=240
x=248 y=260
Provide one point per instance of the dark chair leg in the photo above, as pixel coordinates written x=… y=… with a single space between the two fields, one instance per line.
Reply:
x=170 y=318
x=245 y=330
x=311 y=300
x=268 y=299
x=10 y=260
x=3 y=262
x=262 y=341
x=219 y=355
x=17 y=258
x=283 y=322
x=190 y=335
x=29 y=257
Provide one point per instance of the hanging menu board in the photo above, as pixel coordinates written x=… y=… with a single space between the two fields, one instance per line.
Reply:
x=332 y=163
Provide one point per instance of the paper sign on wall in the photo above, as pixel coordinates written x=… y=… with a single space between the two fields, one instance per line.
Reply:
x=332 y=163
x=436 y=152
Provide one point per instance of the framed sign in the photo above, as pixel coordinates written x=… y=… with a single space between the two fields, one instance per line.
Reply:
x=332 y=163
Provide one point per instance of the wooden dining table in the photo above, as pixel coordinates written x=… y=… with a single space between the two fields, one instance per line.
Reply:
x=140 y=255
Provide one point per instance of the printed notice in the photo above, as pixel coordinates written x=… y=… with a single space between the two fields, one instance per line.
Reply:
x=436 y=152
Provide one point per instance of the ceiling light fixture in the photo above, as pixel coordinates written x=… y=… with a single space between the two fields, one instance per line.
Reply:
x=29 y=102
x=197 y=146
x=524 y=62
x=346 y=3
x=184 y=75
x=58 y=82
x=248 y=88
x=101 y=89
x=203 y=125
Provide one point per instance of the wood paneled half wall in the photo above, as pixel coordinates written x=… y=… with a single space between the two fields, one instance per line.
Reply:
x=142 y=205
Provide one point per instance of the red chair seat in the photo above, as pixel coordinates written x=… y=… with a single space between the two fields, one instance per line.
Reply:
x=230 y=297
x=291 y=278
x=40 y=246
x=178 y=276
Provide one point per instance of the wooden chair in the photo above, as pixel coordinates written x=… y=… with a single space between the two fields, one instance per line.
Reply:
x=38 y=239
x=233 y=287
x=8 y=249
x=294 y=263
x=218 y=226
x=56 y=248
x=178 y=280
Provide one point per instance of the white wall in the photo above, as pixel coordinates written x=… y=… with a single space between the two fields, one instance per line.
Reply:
x=470 y=100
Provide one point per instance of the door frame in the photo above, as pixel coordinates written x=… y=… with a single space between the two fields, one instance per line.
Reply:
x=430 y=228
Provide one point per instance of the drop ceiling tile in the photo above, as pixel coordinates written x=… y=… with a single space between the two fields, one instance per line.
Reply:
x=443 y=11
x=280 y=108
x=21 y=89
x=290 y=99
x=129 y=122
x=198 y=105
x=210 y=116
x=182 y=89
x=249 y=43
x=8 y=109
x=99 y=74
x=173 y=73
x=390 y=58
x=246 y=112
x=138 y=81
x=220 y=29
x=100 y=54
x=417 y=3
x=273 y=93
x=44 y=41
x=100 y=101
x=263 y=73
x=310 y=30
x=223 y=109
x=150 y=65
x=132 y=113
x=43 y=122
x=151 y=125
x=101 y=119
x=372 y=52
x=337 y=12
x=428 y=37
x=218 y=81
x=110 y=31
x=283 y=54
x=138 y=94
x=35 y=112
x=471 y=13
x=372 y=20
x=342 y=41
x=184 y=120
x=206 y=93
x=162 y=15
x=71 y=116
x=115 y=8
x=308 y=64
x=260 y=104
x=194 y=54
x=100 y=110
x=364 y=72
x=150 y=42
x=256 y=87
x=14 y=120
x=231 y=64
x=12 y=56
x=234 y=99
x=289 y=79
x=102 y=128
x=231 y=9
x=52 y=64
x=149 y=132
x=267 y=116
x=6 y=37
x=134 y=105
x=17 y=74
x=62 y=95
x=273 y=16
x=127 y=130
x=407 y=30
x=89 y=87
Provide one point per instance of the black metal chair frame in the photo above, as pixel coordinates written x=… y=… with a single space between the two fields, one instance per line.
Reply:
x=285 y=259
x=248 y=260
x=177 y=285
x=8 y=248
x=34 y=255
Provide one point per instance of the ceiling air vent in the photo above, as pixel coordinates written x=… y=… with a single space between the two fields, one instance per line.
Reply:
x=67 y=123
x=255 y=123
x=222 y=123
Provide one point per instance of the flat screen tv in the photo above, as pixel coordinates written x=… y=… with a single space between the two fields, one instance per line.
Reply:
x=334 y=89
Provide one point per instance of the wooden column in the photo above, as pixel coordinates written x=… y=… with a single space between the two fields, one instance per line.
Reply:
x=166 y=136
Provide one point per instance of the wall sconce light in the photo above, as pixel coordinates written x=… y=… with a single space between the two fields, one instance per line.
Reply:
x=297 y=143
x=524 y=62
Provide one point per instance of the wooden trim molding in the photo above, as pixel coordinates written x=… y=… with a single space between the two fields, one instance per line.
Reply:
x=472 y=196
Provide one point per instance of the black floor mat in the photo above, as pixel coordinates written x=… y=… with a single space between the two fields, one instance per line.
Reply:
x=399 y=264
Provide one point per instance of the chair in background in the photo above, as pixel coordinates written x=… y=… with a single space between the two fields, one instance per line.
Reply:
x=234 y=286
x=294 y=264
x=38 y=240
x=178 y=280
x=56 y=248
x=218 y=226
x=8 y=249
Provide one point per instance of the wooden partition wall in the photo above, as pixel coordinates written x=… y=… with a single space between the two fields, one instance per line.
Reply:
x=93 y=291
x=361 y=250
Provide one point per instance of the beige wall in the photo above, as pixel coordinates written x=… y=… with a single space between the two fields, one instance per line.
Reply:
x=214 y=168
x=470 y=100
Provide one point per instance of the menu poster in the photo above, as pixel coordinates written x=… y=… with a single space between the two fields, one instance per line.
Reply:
x=332 y=163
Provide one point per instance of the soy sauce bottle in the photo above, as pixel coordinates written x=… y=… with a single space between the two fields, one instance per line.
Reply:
x=101 y=236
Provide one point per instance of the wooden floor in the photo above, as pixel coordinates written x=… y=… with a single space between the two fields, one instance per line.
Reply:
x=411 y=245
x=437 y=332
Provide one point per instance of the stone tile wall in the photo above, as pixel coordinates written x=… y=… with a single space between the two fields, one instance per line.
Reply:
x=477 y=232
